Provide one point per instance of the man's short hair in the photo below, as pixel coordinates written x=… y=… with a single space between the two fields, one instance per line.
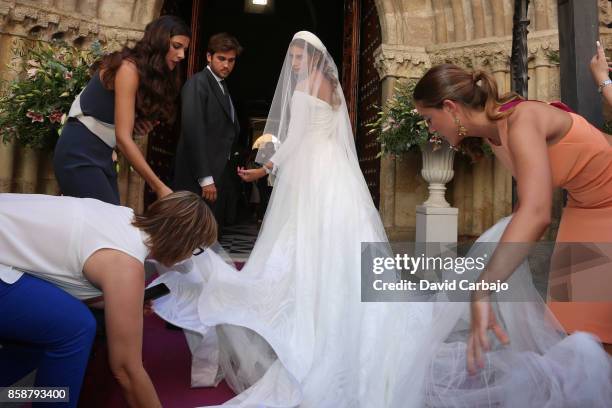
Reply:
x=223 y=42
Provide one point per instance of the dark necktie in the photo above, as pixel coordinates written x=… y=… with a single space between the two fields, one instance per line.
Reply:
x=228 y=100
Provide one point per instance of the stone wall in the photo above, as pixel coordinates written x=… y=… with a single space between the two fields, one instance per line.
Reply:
x=418 y=34
x=78 y=22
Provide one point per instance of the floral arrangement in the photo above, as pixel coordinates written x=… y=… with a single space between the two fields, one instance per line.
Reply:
x=34 y=107
x=399 y=126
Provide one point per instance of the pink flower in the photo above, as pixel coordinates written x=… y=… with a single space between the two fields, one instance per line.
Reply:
x=435 y=139
x=32 y=72
x=33 y=63
x=68 y=75
x=389 y=124
x=55 y=116
x=36 y=117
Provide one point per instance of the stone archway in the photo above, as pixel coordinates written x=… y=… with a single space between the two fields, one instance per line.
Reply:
x=420 y=33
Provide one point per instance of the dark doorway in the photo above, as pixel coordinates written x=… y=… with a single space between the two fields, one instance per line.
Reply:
x=265 y=34
x=369 y=97
x=265 y=38
x=350 y=30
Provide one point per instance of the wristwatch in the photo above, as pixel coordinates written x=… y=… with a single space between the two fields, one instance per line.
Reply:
x=604 y=84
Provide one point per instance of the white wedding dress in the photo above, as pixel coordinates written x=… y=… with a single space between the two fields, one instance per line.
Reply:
x=290 y=329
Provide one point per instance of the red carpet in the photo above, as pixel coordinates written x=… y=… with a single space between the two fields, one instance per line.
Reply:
x=166 y=358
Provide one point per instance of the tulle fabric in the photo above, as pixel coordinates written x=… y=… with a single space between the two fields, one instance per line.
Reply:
x=343 y=353
x=290 y=329
x=308 y=68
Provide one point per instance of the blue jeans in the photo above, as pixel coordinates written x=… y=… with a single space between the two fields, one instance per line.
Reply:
x=43 y=327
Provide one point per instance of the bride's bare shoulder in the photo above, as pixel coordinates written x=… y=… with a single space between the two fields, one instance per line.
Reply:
x=323 y=89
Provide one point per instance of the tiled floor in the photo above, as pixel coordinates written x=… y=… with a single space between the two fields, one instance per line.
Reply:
x=238 y=240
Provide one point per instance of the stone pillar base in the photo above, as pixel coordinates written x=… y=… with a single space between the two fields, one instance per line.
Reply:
x=436 y=224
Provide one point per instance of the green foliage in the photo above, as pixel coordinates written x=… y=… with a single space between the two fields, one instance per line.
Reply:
x=399 y=127
x=33 y=107
x=553 y=56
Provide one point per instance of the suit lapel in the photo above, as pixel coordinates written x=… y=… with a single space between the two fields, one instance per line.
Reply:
x=216 y=89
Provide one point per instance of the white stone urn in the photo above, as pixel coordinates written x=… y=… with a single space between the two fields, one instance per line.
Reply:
x=437 y=171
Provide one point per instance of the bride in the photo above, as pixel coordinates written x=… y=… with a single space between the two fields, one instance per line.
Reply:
x=290 y=328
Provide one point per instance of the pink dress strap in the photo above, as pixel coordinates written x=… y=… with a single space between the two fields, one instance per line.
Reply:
x=557 y=104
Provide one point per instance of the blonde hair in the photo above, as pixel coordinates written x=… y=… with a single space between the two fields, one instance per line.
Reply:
x=176 y=225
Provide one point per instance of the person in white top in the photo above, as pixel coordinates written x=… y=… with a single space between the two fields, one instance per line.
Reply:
x=54 y=250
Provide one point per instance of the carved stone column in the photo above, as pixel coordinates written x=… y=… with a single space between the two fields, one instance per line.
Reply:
x=400 y=192
x=6 y=166
x=387 y=171
x=47 y=183
x=26 y=173
x=401 y=61
x=135 y=196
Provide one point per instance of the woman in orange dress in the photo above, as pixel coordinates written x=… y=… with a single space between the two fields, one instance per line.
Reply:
x=544 y=146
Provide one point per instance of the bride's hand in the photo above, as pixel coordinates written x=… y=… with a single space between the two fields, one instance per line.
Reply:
x=249 y=175
x=483 y=319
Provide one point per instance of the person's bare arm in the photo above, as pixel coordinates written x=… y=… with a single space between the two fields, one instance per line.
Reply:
x=121 y=278
x=126 y=86
x=529 y=152
x=600 y=70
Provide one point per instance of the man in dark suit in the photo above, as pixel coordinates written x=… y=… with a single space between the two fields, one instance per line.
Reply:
x=209 y=127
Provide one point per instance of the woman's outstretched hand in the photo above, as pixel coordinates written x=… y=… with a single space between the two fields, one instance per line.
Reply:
x=249 y=175
x=483 y=319
x=600 y=67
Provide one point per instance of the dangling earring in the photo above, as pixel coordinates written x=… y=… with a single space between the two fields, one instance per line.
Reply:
x=461 y=130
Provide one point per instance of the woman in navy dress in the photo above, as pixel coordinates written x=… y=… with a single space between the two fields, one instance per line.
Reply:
x=133 y=91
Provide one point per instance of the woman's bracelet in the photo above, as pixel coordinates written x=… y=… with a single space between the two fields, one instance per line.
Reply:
x=603 y=84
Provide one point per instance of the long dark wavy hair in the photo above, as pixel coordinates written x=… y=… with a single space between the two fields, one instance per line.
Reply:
x=158 y=87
